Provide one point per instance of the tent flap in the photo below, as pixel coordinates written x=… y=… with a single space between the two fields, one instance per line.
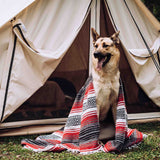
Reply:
x=134 y=38
x=33 y=64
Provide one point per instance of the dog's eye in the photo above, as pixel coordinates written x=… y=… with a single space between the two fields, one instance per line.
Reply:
x=96 y=45
x=105 y=45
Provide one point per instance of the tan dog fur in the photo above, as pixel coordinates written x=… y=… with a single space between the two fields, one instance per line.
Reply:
x=106 y=78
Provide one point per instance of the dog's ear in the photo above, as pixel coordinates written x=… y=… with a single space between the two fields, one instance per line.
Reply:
x=95 y=35
x=115 y=38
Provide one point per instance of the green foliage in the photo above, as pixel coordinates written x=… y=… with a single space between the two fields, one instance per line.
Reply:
x=154 y=7
x=10 y=148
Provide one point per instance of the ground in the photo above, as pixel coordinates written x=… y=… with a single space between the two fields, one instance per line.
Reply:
x=10 y=148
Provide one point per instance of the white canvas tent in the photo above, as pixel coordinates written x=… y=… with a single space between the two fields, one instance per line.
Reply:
x=46 y=46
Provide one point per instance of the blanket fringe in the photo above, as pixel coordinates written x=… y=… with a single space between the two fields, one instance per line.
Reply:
x=92 y=152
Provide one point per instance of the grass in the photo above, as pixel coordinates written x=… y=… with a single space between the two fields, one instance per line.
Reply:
x=10 y=148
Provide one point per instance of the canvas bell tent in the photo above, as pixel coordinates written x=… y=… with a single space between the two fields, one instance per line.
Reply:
x=45 y=49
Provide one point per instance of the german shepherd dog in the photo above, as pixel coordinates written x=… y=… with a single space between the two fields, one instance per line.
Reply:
x=105 y=73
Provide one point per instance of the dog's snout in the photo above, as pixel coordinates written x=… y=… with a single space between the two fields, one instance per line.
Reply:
x=97 y=54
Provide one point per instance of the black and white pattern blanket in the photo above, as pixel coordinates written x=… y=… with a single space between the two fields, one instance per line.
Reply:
x=81 y=132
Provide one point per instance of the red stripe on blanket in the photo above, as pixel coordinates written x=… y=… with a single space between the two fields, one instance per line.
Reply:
x=90 y=146
x=54 y=142
x=72 y=135
x=89 y=120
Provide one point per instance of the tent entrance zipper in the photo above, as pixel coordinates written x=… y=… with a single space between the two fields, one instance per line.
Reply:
x=9 y=75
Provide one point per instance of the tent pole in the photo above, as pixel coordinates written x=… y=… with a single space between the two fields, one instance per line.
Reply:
x=94 y=23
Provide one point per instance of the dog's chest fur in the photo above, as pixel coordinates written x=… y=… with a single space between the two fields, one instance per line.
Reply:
x=106 y=90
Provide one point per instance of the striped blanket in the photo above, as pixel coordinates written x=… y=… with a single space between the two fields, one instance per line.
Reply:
x=81 y=132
